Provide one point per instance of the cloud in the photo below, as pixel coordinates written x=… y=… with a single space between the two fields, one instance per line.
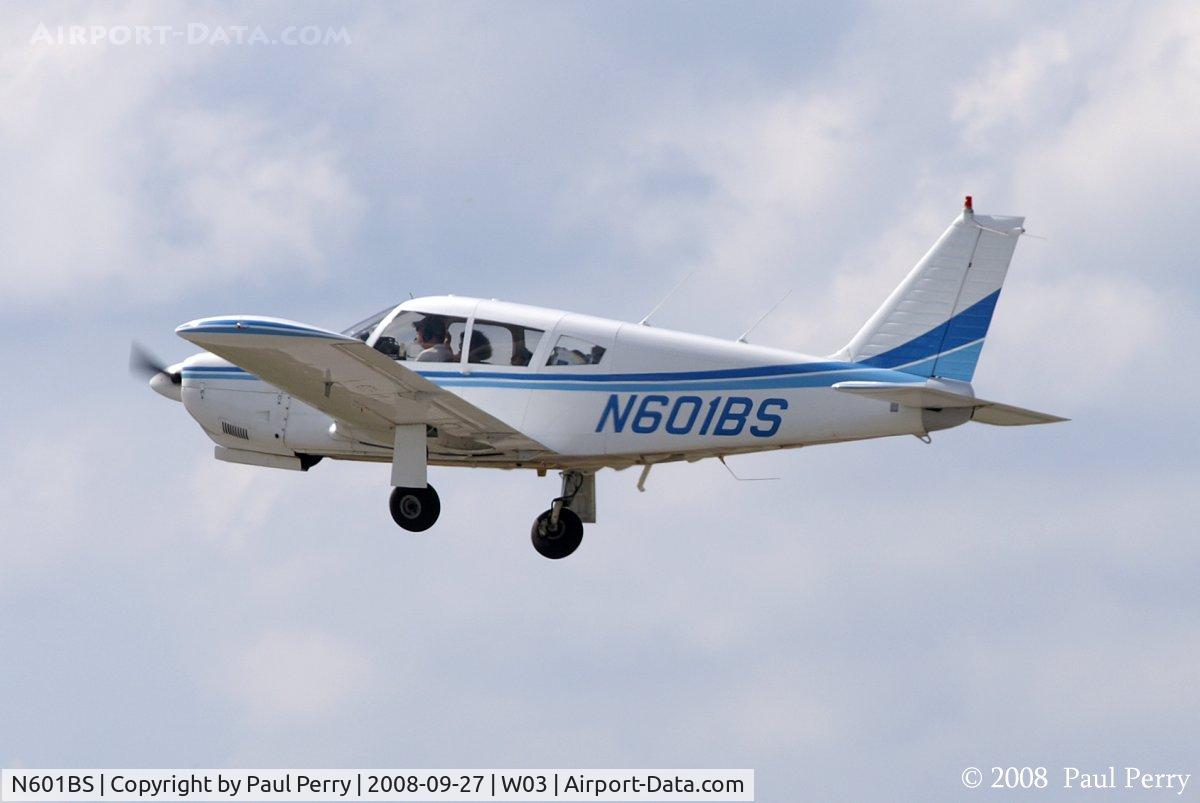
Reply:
x=288 y=674
x=45 y=499
x=229 y=504
x=251 y=199
x=1019 y=88
x=1110 y=155
x=123 y=178
x=728 y=186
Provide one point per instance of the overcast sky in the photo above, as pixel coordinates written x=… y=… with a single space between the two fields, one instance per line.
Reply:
x=885 y=615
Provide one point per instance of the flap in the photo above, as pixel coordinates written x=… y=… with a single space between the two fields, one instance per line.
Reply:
x=346 y=379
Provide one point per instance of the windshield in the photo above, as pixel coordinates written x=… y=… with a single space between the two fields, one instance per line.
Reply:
x=363 y=329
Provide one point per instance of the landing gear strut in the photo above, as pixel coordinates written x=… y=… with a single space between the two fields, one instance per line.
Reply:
x=415 y=509
x=558 y=532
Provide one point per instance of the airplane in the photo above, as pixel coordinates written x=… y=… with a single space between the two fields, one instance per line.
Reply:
x=455 y=381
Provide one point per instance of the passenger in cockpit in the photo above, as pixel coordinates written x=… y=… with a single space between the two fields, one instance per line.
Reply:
x=481 y=348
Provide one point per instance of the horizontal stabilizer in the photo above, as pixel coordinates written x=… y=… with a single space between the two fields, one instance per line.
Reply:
x=932 y=398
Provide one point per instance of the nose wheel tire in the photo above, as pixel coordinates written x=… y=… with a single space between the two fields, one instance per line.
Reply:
x=415 y=509
x=557 y=542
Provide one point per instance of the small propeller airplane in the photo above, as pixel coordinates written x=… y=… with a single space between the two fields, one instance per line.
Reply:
x=453 y=381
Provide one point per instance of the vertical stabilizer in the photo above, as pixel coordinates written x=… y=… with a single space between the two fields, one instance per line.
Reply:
x=935 y=322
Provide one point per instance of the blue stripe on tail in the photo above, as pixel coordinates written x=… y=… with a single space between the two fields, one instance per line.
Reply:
x=950 y=350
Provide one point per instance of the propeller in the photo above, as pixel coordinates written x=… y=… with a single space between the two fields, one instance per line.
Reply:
x=143 y=362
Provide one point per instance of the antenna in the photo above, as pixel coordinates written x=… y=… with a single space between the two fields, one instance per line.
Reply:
x=743 y=479
x=763 y=317
x=644 y=320
x=641 y=483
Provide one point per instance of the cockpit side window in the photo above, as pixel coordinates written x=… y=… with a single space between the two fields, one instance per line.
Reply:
x=422 y=337
x=575 y=351
x=495 y=343
x=363 y=329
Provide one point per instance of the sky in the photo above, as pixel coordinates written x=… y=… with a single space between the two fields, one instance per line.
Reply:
x=881 y=617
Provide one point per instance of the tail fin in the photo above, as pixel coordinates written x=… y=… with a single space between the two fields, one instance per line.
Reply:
x=934 y=323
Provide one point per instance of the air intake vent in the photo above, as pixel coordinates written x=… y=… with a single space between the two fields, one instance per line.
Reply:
x=235 y=430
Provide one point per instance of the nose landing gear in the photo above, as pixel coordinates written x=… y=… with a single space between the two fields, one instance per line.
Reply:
x=415 y=509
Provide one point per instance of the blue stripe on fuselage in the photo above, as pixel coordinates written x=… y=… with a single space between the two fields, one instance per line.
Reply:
x=665 y=376
x=812 y=380
x=728 y=379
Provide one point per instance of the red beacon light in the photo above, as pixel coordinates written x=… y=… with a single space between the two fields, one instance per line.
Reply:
x=967 y=205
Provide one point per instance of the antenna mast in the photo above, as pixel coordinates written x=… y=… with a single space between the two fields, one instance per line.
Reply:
x=645 y=320
x=763 y=317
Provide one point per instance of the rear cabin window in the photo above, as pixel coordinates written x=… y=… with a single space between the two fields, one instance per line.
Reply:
x=495 y=343
x=575 y=351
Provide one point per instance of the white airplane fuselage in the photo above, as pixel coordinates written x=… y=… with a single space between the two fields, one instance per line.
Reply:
x=656 y=395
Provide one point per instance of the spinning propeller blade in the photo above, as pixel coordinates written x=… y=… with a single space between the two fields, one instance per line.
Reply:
x=143 y=362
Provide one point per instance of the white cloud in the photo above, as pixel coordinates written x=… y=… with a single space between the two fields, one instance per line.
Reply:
x=1072 y=340
x=252 y=199
x=120 y=178
x=287 y=674
x=1111 y=152
x=1019 y=88
x=45 y=499
x=729 y=183
x=747 y=193
x=229 y=504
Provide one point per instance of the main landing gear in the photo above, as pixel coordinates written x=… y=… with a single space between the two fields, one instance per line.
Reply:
x=556 y=533
x=415 y=509
x=559 y=531
x=556 y=539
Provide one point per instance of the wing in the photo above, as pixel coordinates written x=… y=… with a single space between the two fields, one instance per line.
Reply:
x=920 y=395
x=348 y=380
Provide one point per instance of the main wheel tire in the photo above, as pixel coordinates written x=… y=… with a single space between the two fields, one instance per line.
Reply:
x=562 y=540
x=415 y=509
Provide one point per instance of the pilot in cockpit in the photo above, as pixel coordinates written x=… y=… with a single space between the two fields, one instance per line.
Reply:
x=431 y=337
